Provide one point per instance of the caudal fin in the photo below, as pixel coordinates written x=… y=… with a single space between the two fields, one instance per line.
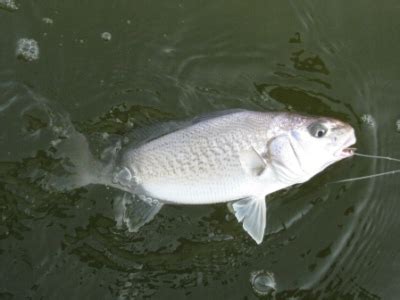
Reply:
x=80 y=166
x=75 y=164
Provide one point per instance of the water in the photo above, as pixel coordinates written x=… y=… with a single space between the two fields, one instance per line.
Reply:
x=172 y=60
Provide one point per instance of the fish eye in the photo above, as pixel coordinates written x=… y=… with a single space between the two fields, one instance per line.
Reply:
x=317 y=130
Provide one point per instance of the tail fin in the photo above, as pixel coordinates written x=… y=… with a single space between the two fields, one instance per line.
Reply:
x=74 y=154
x=75 y=157
x=76 y=164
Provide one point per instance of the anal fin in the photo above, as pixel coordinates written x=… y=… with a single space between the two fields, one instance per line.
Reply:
x=252 y=212
x=134 y=212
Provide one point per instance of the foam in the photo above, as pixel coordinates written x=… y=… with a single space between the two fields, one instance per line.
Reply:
x=27 y=49
x=106 y=36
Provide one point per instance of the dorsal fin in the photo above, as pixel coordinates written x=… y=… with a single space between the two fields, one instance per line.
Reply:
x=145 y=134
x=139 y=136
x=215 y=114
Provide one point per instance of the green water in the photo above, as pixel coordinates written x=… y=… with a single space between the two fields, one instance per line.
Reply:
x=167 y=60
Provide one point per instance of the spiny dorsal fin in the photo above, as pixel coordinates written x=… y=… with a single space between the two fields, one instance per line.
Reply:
x=216 y=114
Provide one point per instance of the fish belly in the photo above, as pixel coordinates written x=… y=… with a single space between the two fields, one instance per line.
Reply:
x=182 y=191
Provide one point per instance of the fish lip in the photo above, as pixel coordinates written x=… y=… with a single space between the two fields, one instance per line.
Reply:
x=346 y=150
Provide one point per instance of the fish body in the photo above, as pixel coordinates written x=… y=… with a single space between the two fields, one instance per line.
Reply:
x=236 y=156
x=201 y=164
x=240 y=156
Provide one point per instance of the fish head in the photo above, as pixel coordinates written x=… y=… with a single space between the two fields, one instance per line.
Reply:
x=308 y=145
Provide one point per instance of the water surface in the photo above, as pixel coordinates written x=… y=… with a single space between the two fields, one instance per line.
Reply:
x=108 y=67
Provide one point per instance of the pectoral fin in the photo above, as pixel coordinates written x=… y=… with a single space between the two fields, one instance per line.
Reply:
x=252 y=162
x=253 y=213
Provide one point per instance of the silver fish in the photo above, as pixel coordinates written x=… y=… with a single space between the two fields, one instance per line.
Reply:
x=238 y=157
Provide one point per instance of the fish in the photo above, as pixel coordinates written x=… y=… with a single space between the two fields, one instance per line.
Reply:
x=236 y=157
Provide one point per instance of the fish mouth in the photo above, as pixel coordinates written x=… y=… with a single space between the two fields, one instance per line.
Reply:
x=346 y=150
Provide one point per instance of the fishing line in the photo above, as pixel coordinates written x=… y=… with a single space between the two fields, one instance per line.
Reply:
x=376 y=156
x=373 y=175
x=366 y=177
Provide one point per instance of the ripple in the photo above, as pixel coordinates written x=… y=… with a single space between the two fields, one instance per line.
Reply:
x=347 y=252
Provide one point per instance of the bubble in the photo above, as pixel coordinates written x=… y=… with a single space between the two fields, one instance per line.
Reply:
x=55 y=142
x=48 y=21
x=27 y=49
x=125 y=140
x=398 y=125
x=368 y=120
x=168 y=50
x=106 y=36
x=129 y=124
x=263 y=283
x=123 y=177
x=8 y=5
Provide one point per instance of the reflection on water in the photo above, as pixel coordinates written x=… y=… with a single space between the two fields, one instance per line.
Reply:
x=324 y=240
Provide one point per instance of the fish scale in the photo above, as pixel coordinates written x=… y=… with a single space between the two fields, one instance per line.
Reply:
x=195 y=155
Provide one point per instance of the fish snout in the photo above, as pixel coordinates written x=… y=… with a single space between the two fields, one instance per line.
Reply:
x=348 y=138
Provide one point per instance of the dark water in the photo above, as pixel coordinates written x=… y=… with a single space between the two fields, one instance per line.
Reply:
x=166 y=60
